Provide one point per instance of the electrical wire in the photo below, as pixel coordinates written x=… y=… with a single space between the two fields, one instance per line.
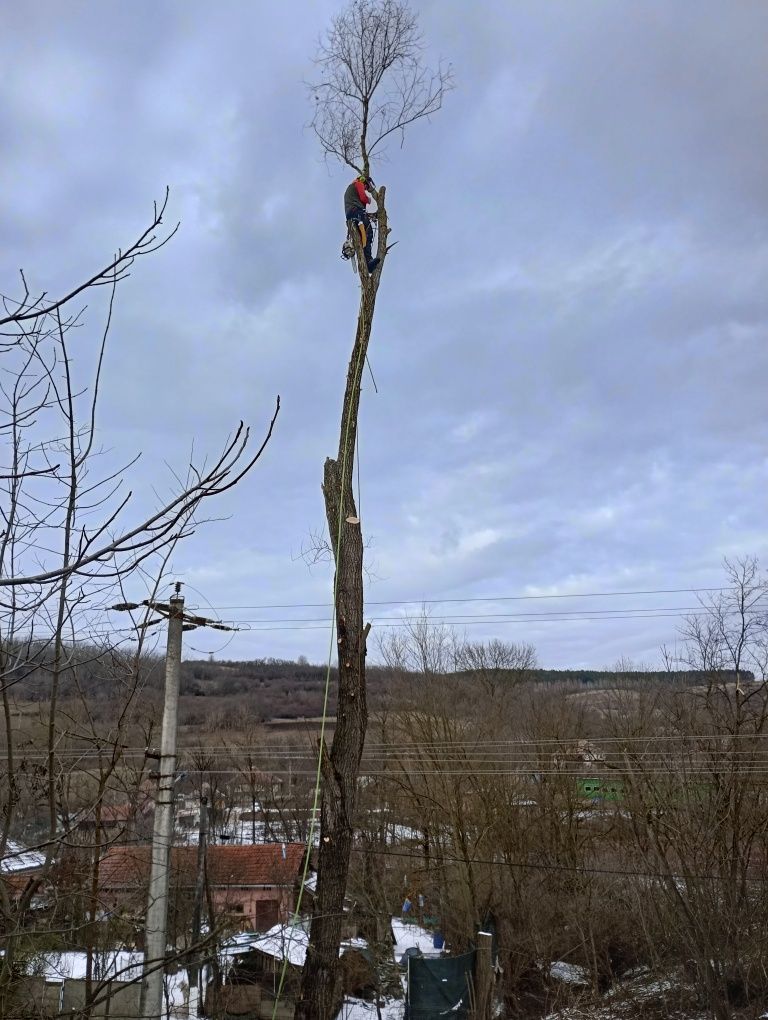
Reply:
x=486 y=598
x=573 y=742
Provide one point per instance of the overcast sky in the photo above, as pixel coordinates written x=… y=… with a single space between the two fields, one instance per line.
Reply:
x=570 y=338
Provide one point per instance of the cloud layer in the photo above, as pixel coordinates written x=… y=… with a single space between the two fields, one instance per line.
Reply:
x=570 y=343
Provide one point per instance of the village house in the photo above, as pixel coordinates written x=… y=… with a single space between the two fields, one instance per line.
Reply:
x=257 y=885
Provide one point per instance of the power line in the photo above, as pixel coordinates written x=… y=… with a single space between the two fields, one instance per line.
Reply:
x=484 y=616
x=483 y=598
x=540 y=866
x=256 y=625
x=278 y=749
x=446 y=757
x=438 y=858
x=523 y=769
x=472 y=621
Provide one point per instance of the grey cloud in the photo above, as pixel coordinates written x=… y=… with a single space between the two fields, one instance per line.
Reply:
x=570 y=336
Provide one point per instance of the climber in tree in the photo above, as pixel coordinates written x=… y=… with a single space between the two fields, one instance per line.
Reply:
x=356 y=198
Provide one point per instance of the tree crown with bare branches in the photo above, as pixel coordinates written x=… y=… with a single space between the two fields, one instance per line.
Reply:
x=372 y=82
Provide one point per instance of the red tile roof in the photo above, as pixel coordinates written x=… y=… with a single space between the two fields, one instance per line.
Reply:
x=263 y=864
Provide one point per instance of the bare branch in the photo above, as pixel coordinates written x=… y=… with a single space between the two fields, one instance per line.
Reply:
x=371 y=82
x=117 y=269
x=225 y=473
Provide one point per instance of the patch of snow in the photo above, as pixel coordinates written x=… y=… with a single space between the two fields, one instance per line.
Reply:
x=359 y=1009
x=630 y=998
x=121 y=965
x=568 y=973
x=401 y=833
x=412 y=936
x=282 y=941
x=176 y=993
x=118 y=964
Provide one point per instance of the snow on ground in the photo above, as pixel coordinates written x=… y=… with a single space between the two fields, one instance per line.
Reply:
x=626 y=1011
x=641 y=995
x=568 y=973
x=290 y=940
x=357 y=1009
x=407 y=936
x=412 y=936
x=177 y=995
x=239 y=831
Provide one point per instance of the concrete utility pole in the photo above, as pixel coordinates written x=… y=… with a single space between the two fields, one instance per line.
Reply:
x=162 y=836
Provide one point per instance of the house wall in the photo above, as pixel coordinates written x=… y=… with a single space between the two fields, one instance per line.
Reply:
x=262 y=907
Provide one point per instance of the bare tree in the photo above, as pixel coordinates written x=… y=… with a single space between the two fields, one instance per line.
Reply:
x=372 y=85
x=497 y=664
x=372 y=82
x=697 y=802
x=419 y=646
x=69 y=543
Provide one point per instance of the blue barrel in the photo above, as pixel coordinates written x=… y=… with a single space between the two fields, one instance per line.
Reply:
x=438 y=940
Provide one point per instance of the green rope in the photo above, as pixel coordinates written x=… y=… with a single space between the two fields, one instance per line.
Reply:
x=318 y=773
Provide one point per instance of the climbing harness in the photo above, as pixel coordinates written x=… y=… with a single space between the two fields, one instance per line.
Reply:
x=348 y=248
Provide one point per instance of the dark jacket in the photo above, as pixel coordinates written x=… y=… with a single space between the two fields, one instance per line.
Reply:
x=355 y=199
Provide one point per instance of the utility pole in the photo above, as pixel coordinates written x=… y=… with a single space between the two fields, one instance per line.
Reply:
x=156 y=924
x=162 y=836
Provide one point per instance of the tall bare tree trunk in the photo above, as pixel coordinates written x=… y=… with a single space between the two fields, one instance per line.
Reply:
x=372 y=86
x=320 y=994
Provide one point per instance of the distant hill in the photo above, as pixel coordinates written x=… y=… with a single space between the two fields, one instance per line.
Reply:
x=282 y=688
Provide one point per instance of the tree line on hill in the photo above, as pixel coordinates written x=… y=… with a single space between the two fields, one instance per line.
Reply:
x=287 y=688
